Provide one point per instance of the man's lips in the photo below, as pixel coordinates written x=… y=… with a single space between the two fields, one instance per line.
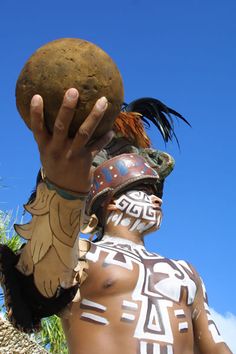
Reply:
x=157 y=208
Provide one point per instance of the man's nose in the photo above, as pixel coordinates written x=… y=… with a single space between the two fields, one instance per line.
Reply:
x=156 y=201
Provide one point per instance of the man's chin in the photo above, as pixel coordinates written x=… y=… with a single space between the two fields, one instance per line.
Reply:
x=154 y=227
x=158 y=223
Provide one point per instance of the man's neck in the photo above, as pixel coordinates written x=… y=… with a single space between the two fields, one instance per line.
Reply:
x=116 y=229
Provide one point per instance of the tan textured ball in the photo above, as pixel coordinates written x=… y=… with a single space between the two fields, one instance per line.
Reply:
x=65 y=63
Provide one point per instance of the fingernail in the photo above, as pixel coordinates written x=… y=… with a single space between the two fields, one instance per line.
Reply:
x=36 y=100
x=102 y=103
x=72 y=94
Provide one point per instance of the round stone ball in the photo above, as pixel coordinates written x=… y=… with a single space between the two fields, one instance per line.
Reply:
x=65 y=63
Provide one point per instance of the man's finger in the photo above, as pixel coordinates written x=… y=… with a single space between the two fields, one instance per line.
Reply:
x=64 y=117
x=87 y=129
x=37 y=121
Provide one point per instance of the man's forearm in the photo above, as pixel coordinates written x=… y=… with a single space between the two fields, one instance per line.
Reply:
x=45 y=275
x=52 y=251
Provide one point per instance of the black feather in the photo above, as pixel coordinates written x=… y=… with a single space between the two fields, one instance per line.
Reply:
x=158 y=113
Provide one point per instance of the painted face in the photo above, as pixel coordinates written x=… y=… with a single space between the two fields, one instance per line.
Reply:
x=141 y=210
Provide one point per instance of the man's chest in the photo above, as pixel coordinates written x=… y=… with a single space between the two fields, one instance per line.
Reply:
x=142 y=292
x=146 y=274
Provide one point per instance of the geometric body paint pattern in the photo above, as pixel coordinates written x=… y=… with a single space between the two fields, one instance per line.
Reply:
x=136 y=204
x=160 y=283
x=211 y=324
x=154 y=348
x=91 y=317
x=183 y=326
x=137 y=212
x=130 y=306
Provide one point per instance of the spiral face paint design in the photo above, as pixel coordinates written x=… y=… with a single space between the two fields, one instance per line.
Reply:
x=138 y=211
x=137 y=204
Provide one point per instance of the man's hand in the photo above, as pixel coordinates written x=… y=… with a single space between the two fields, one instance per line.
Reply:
x=66 y=161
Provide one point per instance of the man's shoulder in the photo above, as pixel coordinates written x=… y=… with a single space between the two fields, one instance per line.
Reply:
x=86 y=245
x=124 y=246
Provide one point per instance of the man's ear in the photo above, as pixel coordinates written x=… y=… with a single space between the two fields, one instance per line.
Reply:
x=112 y=206
x=91 y=226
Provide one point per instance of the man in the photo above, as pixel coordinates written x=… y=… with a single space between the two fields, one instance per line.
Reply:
x=112 y=295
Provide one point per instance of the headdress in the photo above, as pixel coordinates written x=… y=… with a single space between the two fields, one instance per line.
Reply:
x=115 y=174
x=129 y=159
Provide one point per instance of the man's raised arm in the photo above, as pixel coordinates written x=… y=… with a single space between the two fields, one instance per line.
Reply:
x=44 y=276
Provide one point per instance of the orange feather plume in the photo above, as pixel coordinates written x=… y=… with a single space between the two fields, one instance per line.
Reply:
x=130 y=126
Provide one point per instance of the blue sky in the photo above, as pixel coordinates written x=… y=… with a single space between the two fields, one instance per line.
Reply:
x=181 y=52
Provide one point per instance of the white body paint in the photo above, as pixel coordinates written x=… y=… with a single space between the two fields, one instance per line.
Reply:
x=211 y=324
x=110 y=258
x=94 y=318
x=183 y=326
x=179 y=313
x=162 y=285
x=128 y=316
x=93 y=305
x=130 y=305
x=153 y=295
x=171 y=286
x=156 y=348
x=138 y=212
